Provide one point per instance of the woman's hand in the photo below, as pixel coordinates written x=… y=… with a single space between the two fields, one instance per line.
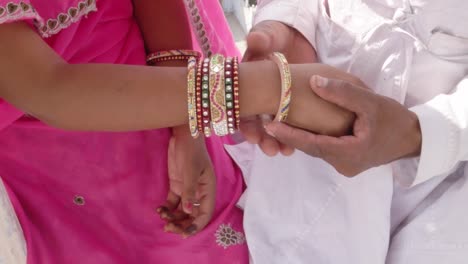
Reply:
x=192 y=185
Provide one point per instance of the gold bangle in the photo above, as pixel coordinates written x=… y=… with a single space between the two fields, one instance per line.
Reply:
x=192 y=104
x=217 y=96
x=286 y=83
x=171 y=55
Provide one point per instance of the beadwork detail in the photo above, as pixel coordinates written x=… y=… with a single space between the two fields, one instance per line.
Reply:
x=217 y=95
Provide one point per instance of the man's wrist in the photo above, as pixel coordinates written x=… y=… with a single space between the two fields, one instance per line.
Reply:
x=414 y=140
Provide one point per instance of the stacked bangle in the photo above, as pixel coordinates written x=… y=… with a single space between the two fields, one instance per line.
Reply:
x=213 y=91
x=198 y=90
x=286 y=82
x=171 y=55
x=218 y=95
x=229 y=72
x=205 y=98
x=235 y=77
x=191 y=92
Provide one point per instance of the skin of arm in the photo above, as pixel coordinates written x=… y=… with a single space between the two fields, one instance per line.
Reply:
x=157 y=20
x=106 y=97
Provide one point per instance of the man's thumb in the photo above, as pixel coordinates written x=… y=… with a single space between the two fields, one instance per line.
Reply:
x=258 y=46
x=264 y=38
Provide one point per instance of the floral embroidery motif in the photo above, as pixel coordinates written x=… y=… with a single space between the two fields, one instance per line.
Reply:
x=198 y=25
x=227 y=237
x=50 y=26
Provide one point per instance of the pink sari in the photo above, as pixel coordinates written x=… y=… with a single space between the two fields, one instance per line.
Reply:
x=210 y=28
x=89 y=197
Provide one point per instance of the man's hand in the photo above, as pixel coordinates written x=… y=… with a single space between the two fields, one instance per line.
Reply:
x=269 y=36
x=384 y=130
x=265 y=38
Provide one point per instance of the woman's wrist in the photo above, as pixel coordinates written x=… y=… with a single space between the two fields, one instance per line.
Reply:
x=260 y=88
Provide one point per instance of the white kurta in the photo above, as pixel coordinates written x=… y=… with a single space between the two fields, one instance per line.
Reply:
x=299 y=210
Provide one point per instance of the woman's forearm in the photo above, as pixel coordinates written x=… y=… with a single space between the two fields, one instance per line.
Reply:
x=105 y=97
x=121 y=98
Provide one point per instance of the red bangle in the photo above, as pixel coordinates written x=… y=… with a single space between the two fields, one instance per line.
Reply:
x=171 y=55
x=235 y=77
x=198 y=96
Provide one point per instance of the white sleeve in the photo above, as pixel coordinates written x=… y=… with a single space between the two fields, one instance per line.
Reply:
x=12 y=240
x=299 y=14
x=444 y=126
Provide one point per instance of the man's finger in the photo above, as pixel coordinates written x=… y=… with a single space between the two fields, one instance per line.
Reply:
x=269 y=145
x=294 y=137
x=265 y=38
x=324 y=147
x=344 y=94
x=251 y=129
x=286 y=150
x=258 y=46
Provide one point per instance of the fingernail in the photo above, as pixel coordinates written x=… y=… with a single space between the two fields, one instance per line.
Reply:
x=167 y=216
x=161 y=209
x=192 y=229
x=269 y=130
x=320 y=81
x=188 y=207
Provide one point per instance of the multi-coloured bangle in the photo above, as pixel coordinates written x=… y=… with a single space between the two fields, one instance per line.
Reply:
x=228 y=73
x=286 y=82
x=191 y=94
x=235 y=77
x=171 y=55
x=198 y=90
x=205 y=98
x=218 y=95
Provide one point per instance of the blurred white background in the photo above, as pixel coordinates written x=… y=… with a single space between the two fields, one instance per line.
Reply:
x=239 y=14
